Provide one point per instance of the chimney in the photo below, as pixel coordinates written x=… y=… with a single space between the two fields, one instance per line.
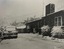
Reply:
x=50 y=8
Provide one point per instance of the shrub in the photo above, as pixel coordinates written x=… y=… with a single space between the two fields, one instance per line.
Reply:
x=45 y=31
x=57 y=32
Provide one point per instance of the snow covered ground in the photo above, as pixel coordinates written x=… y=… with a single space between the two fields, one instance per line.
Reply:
x=30 y=41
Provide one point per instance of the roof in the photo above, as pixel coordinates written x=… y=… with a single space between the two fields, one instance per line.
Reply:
x=33 y=21
x=21 y=27
x=55 y=12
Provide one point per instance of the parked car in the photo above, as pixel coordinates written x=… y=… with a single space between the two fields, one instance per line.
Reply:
x=10 y=32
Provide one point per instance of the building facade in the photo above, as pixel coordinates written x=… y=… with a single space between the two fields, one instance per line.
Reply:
x=51 y=19
x=34 y=26
x=55 y=19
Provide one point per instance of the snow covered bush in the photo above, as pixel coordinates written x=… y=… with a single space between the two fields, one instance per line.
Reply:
x=45 y=30
x=57 y=32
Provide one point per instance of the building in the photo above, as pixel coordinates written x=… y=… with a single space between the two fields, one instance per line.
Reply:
x=34 y=26
x=55 y=19
x=51 y=19
x=21 y=29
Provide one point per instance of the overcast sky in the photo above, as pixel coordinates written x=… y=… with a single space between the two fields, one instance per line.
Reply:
x=19 y=10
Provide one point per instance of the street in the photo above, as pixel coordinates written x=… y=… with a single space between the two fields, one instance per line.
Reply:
x=30 y=41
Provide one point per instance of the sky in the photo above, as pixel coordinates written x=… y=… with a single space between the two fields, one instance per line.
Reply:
x=20 y=10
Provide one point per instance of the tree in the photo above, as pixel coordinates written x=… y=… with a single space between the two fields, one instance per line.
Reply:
x=14 y=23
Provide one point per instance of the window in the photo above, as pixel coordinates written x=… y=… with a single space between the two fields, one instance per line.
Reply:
x=55 y=21
x=58 y=21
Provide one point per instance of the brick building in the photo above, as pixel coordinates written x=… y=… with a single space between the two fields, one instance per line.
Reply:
x=51 y=19
x=34 y=26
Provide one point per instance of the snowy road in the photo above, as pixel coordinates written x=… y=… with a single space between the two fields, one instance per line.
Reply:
x=29 y=41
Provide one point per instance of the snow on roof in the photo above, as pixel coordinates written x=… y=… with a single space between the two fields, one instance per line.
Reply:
x=21 y=27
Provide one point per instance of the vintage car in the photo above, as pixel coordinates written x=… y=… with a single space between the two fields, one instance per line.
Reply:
x=10 y=32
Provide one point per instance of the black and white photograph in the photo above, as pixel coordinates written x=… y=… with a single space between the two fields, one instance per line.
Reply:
x=31 y=24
